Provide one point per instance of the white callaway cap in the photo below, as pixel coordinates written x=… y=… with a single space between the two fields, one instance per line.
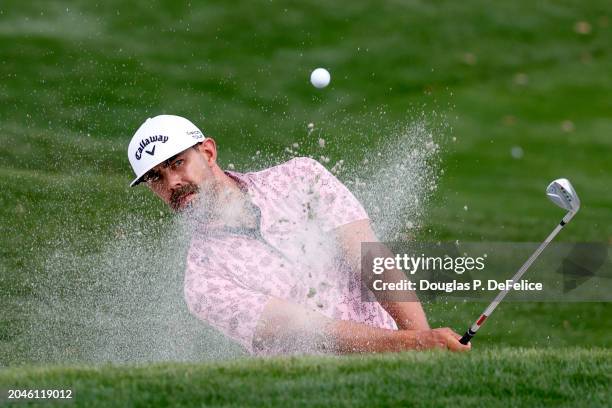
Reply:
x=158 y=139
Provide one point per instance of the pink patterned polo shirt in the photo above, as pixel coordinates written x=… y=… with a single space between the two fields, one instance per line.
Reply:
x=231 y=274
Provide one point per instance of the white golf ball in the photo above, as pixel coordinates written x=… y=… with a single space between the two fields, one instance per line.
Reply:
x=320 y=78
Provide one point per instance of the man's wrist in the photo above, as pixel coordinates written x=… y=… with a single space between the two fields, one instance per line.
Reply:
x=410 y=339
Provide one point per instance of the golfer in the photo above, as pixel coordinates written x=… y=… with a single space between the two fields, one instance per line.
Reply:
x=274 y=257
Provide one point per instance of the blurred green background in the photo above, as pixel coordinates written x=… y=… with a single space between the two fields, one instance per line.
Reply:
x=78 y=77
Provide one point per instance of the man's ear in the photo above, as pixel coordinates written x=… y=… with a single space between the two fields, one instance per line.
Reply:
x=209 y=149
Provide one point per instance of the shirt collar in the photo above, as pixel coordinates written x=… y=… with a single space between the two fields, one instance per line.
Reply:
x=239 y=178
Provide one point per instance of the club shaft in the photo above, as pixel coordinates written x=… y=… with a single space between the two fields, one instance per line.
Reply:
x=500 y=296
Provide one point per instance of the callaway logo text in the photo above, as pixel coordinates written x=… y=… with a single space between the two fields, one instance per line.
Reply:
x=145 y=142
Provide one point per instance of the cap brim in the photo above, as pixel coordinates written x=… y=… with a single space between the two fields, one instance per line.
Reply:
x=136 y=181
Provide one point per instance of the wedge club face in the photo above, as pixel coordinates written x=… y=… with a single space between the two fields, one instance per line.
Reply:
x=562 y=193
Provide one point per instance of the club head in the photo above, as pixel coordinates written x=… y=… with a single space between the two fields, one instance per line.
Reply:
x=563 y=194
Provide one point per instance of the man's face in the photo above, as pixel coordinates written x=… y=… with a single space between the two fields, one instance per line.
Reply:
x=181 y=179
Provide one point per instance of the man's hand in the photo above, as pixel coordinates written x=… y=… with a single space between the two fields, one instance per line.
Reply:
x=443 y=338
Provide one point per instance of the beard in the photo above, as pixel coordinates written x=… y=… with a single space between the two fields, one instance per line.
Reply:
x=200 y=207
x=177 y=197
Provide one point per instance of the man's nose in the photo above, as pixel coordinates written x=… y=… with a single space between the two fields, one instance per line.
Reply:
x=174 y=180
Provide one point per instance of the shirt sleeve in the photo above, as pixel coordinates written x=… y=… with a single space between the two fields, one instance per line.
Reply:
x=328 y=199
x=216 y=298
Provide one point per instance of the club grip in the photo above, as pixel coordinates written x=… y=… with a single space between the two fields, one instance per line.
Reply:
x=467 y=337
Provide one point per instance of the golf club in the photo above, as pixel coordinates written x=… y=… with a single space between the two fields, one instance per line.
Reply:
x=561 y=193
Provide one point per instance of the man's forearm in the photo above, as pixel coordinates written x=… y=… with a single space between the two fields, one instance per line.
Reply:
x=286 y=327
x=352 y=337
x=407 y=315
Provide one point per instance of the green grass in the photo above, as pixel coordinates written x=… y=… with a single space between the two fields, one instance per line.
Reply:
x=498 y=376
x=78 y=77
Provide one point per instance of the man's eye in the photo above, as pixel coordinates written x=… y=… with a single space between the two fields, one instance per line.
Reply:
x=177 y=163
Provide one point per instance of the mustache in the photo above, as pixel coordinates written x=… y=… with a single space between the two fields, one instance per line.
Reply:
x=181 y=192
